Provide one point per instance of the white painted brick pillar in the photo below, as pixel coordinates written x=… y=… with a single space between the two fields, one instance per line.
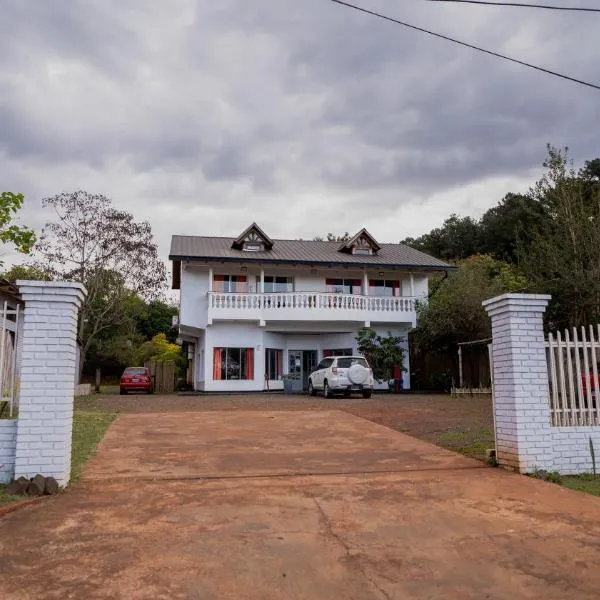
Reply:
x=523 y=434
x=47 y=386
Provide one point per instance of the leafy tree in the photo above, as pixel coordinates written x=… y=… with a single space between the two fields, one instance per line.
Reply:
x=332 y=237
x=563 y=258
x=160 y=349
x=17 y=272
x=156 y=317
x=382 y=352
x=454 y=313
x=457 y=238
x=108 y=251
x=22 y=237
x=510 y=225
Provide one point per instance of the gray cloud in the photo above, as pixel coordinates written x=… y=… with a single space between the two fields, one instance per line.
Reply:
x=201 y=117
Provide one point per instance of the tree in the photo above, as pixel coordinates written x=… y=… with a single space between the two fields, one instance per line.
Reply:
x=160 y=349
x=454 y=312
x=22 y=237
x=382 y=352
x=17 y=272
x=113 y=255
x=156 y=317
x=563 y=258
x=332 y=237
x=457 y=238
x=509 y=226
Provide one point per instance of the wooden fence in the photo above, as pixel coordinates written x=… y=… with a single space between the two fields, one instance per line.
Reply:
x=573 y=369
x=9 y=350
x=163 y=376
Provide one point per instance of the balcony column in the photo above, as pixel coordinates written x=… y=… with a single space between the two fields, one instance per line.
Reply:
x=262 y=281
x=412 y=285
x=210 y=279
x=365 y=284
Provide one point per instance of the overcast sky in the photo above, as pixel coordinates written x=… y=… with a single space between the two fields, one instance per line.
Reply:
x=202 y=116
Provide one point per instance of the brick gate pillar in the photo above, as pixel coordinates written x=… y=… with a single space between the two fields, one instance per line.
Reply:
x=48 y=373
x=520 y=372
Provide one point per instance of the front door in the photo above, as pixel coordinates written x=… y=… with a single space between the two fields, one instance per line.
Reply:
x=301 y=364
x=309 y=363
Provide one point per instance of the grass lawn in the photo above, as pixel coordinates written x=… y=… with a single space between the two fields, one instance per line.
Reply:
x=470 y=442
x=88 y=429
x=583 y=483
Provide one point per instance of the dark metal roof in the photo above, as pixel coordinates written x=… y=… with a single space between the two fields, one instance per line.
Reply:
x=184 y=247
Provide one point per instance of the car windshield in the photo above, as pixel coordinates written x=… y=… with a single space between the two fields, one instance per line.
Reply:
x=346 y=363
x=135 y=371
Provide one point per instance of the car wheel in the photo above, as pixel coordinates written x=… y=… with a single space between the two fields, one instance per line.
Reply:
x=326 y=391
x=123 y=392
x=311 y=389
x=367 y=393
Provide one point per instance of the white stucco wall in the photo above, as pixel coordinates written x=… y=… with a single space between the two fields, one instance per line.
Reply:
x=193 y=303
x=241 y=335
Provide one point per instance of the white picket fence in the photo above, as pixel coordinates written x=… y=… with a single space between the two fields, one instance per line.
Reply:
x=10 y=328
x=573 y=370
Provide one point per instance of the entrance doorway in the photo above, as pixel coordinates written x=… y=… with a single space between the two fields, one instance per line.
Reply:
x=301 y=364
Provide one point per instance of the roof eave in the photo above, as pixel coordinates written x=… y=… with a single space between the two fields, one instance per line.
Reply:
x=258 y=260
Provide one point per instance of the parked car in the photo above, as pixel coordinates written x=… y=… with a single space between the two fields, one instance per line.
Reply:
x=342 y=374
x=136 y=379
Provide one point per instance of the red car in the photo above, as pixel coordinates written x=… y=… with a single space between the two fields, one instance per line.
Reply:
x=136 y=379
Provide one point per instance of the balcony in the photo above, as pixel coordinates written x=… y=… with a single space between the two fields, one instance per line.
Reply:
x=310 y=306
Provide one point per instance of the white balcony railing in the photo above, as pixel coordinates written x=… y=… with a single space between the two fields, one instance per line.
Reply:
x=310 y=305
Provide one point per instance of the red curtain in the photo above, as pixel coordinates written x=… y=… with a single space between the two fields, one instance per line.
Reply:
x=218 y=281
x=217 y=371
x=241 y=284
x=327 y=353
x=249 y=363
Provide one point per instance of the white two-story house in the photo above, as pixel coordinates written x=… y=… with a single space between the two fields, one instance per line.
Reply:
x=253 y=309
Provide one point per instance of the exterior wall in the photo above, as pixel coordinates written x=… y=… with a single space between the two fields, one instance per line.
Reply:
x=44 y=426
x=237 y=335
x=193 y=303
x=8 y=446
x=571 y=449
x=525 y=438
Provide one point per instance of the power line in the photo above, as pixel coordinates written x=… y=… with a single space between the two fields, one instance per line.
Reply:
x=521 y=5
x=467 y=45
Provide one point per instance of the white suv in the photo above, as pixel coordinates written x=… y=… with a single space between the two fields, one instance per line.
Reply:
x=342 y=374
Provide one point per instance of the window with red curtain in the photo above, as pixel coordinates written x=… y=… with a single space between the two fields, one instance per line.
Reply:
x=230 y=284
x=338 y=352
x=384 y=287
x=233 y=364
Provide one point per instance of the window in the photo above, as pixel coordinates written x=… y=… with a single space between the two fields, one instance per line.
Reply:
x=252 y=247
x=276 y=284
x=342 y=352
x=346 y=363
x=274 y=364
x=233 y=364
x=230 y=284
x=344 y=286
x=362 y=251
x=384 y=287
x=325 y=363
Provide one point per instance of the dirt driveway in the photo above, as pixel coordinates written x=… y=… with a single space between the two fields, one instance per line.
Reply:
x=301 y=505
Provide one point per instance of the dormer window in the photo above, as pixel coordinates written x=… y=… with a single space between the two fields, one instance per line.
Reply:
x=362 y=244
x=253 y=239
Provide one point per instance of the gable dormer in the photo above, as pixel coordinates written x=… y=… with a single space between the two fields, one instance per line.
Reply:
x=363 y=243
x=253 y=239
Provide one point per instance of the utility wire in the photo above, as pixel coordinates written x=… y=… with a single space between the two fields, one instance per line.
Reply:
x=521 y=5
x=467 y=45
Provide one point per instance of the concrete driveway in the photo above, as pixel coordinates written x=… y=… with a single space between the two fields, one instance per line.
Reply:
x=304 y=505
